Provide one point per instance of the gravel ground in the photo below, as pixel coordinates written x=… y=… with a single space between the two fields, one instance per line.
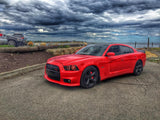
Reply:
x=12 y=61
x=128 y=97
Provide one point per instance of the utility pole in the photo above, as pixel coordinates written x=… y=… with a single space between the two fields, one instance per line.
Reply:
x=148 y=44
x=135 y=45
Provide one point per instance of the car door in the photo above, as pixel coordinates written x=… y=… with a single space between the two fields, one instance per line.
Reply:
x=116 y=62
x=127 y=57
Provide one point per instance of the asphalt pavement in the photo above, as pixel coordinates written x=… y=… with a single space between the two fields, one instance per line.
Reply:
x=128 y=97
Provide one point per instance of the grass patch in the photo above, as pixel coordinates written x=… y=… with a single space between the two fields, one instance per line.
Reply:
x=64 y=46
x=157 y=49
x=153 y=57
x=6 y=46
x=155 y=60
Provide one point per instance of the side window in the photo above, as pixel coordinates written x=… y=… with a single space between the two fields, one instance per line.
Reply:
x=115 y=49
x=125 y=50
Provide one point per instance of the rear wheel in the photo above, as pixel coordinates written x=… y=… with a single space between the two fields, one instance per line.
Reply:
x=89 y=77
x=138 y=68
x=12 y=42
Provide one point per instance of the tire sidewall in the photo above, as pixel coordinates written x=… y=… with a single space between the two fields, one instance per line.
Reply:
x=135 y=73
x=82 y=81
x=15 y=44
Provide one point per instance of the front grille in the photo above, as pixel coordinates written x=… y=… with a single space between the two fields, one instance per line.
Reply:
x=53 y=72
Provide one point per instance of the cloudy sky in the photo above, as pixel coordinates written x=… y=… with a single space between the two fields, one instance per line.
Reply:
x=84 y=20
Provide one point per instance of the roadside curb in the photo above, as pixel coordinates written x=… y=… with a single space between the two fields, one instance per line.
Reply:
x=20 y=71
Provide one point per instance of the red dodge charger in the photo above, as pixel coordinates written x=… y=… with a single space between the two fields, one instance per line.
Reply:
x=94 y=63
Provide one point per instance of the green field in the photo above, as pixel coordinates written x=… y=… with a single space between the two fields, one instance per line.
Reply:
x=6 y=46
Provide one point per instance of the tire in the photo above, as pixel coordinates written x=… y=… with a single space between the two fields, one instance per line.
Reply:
x=89 y=77
x=12 y=42
x=138 y=68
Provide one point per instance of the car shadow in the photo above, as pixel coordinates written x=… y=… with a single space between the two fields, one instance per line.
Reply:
x=115 y=79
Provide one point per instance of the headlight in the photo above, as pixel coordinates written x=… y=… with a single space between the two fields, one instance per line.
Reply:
x=71 y=68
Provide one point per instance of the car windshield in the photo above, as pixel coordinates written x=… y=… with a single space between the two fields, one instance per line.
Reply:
x=95 y=50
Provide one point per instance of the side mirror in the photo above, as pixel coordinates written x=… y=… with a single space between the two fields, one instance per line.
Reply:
x=110 y=54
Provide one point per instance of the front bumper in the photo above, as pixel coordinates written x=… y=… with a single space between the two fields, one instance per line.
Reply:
x=73 y=76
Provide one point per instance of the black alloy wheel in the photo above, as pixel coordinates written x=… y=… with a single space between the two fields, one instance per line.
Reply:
x=89 y=77
x=138 y=68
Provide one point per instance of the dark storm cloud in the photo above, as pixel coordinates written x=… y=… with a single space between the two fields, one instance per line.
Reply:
x=126 y=6
x=3 y=5
x=81 y=15
x=15 y=28
x=153 y=25
x=3 y=2
x=38 y=13
x=135 y=6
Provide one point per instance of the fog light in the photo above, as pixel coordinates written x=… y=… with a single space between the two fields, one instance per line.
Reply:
x=67 y=80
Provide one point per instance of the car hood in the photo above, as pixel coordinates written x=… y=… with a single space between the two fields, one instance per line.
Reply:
x=66 y=59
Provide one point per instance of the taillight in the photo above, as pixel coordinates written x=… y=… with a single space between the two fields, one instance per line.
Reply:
x=22 y=37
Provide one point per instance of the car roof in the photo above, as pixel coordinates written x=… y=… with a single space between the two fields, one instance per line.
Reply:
x=107 y=44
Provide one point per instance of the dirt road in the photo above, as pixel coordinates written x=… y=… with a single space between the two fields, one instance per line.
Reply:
x=31 y=97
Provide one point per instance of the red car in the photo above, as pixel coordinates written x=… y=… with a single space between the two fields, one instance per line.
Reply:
x=94 y=63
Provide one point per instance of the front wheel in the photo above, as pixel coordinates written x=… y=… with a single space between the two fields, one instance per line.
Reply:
x=89 y=77
x=138 y=68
